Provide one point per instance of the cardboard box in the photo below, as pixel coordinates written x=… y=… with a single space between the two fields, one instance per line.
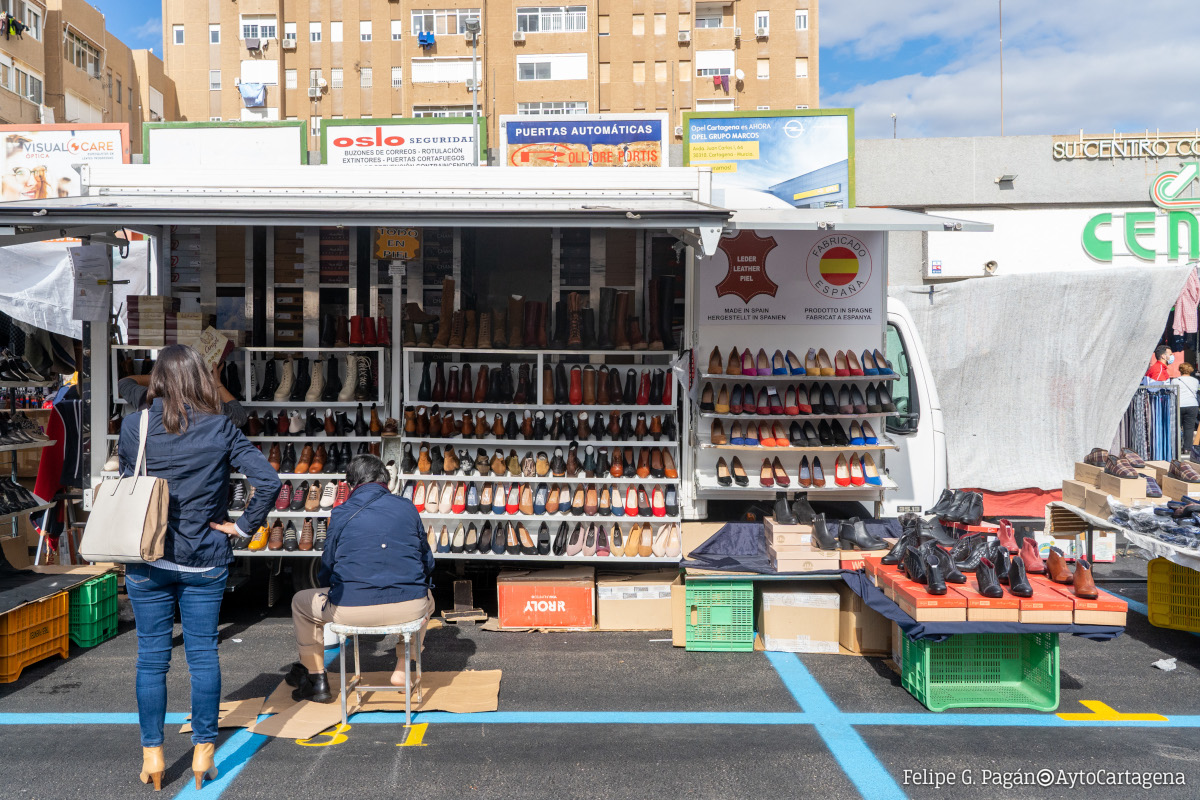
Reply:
x=1107 y=609
x=635 y=601
x=872 y=565
x=547 y=598
x=1073 y=492
x=1047 y=606
x=694 y=534
x=803 y=559
x=988 y=609
x=857 y=559
x=799 y=617
x=1086 y=473
x=787 y=535
x=898 y=646
x=861 y=629
x=1095 y=502
x=1175 y=488
x=1123 y=487
x=924 y=607
x=678 y=615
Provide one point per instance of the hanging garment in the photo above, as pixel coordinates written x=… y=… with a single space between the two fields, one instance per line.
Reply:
x=254 y=95
x=725 y=83
x=716 y=81
x=1185 y=306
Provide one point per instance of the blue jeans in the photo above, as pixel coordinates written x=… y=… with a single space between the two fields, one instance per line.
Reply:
x=155 y=593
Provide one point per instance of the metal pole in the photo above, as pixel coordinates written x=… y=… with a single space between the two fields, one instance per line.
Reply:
x=1001 y=8
x=475 y=94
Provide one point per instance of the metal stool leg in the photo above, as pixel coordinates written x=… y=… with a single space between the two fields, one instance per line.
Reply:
x=357 y=671
x=408 y=679
x=342 y=663
x=420 y=686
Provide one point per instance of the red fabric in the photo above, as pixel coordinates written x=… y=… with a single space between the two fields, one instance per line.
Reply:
x=1018 y=503
x=50 y=468
x=716 y=81
x=1158 y=371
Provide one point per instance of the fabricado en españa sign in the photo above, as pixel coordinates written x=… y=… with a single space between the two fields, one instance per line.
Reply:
x=1140 y=230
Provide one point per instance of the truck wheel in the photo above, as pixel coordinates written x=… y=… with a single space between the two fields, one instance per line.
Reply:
x=304 y=573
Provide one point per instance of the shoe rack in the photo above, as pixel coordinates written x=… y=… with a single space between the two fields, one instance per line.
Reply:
x=11 y=519
x=413 y=364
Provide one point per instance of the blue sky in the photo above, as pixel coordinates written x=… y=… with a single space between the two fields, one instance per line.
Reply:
x=1096 y=65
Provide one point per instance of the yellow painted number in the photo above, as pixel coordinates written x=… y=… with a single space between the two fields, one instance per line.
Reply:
x=336 y=734
x=416 y=736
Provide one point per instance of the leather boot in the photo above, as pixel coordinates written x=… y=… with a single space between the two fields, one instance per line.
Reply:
x=561 y=388
x=547 y=385
x=445 y=321
x=530 y=335
x=481 y=384
x=425 y=390
x=602 y=395
x=1085 y=586
x=328 y=332
x=604 y=319
x=643 y=395
x=370 y=338
x=470 y=330
x=666 y=311
x=341 y=337
x=458 y=327
x=822 y=538
x=896 y=554
x=1007 y=536
x=524 y=392
x=985 y=579
x=588 y=328
x=653 y=330
x=499 y=329
x=589 y=385
x=1056 y=567
x=408 y=335
x=575 y=393
x=452 y=391
x=853 y=533
x=516 y=320
x=615 y=396
x=484 y=338
x=358 y=331
x=783 y=512
x=620 y=321
x=439 y=384
x=384 y=336
x=1018 y=582
x=543 y=340
x=1030 y=556
x=574 y=321
x=635 y=328
x=426 y=338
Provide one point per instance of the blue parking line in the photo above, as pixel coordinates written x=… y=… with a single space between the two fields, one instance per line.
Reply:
x=1144 y=610
x=230 y=759
x=868 y=774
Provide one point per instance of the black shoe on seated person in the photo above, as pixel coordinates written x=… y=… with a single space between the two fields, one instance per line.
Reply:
x=296 y=674
x=313 y=687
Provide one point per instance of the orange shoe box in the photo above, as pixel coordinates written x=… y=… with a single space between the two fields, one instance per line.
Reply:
x=886 y=578
x=1107 y=609
x=856 y=559
x=988 y=609
x=1046 y=607
x=872 y=566
x=547 y=598
x=924 y=607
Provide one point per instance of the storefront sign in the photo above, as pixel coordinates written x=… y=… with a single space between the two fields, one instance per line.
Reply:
x=1168 y=235
x=1092 y=148
x=41 y=161
x=793 y=278
x=779 y=159
x=397 y=243
x=422 y=142
x=585 y=140
x=225 y=145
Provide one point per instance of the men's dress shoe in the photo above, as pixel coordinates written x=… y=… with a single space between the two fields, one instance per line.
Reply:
x=1179 y=470
x=985 y=579
x=822 y=538
x=313 y=687
x=853 y=534
x=1084 y=585
x=1030 y=557
x=1097 y=458
x=1123 y=469
x=1056 y=567
x=1018 y=581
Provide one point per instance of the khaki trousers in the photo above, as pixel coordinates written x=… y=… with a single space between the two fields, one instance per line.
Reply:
x=311 y=610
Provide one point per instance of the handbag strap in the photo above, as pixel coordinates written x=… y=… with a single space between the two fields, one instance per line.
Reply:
x=140 y=467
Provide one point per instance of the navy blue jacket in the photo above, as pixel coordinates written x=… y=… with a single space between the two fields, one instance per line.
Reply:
x=196 y=466
x=375 y=554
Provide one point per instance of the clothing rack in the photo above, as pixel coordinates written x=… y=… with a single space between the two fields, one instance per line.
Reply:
x=1150 y=426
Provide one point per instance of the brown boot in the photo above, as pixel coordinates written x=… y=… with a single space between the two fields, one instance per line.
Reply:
x=574 y=320
x=1056 y=567
x=602 y=396
x=417 y=314
x=547 y=386
x=543 y=338
x=426 y=339
x=471 y=336
x=444 y=321
x=499 y=329
x=635 y=327
x=530 y=336
x=589 y=385
x=409 y=334
x=484 y=339
x=457 y=329
x=341 y=336
x=656 y=342
x=1085 y=587
x=620 y=321
x=516 y=321
x=481 y=384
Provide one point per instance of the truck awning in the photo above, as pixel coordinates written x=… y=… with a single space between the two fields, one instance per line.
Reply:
x=848 y=219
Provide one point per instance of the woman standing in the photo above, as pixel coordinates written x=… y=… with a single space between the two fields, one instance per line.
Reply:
x=191 y=445
x=1189 y=405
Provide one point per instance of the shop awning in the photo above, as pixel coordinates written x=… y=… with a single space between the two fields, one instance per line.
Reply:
x=848 y=219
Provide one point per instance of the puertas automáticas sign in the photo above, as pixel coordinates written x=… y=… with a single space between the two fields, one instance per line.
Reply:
x=444 y=144
x=601 y=140
x=793 y=277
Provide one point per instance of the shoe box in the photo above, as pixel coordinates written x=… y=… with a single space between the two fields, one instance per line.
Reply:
x=988 y=609
x=1047 y=606
x=1123 y=488
x=1095 y=502
x=1074 y=492
x=802 y=558
x=635 y=601
x=1088 y=474
x=857 y=559
x=1107 y=609
x=1157 y=470
x=862 y=631
x=678 y=615
x=924 y=607
x=1176 y=489
x=783 y=536
x=801 y=617
x=563 y=599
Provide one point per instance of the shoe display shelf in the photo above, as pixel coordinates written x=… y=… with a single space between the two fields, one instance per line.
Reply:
x=317 y=356
x=324 y=512
x=5 y=448
x=708 y=376
x=27 y=384
x=616 y=561
x=9 y=521
x=417 y=476
x=709 y=485
x=767 y=450
x=730 y=417
x=544 y=444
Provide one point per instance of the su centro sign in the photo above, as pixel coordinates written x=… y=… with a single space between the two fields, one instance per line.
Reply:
x=1170 y=233
x=400 y=143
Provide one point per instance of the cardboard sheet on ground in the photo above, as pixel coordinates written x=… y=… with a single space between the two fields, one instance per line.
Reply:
x=456 y=692
x=234 y=714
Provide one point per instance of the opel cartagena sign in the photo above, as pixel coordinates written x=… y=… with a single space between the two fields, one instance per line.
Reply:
x=425 y=142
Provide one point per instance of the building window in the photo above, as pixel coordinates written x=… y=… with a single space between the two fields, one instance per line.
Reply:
x=801 y=20
x=801 y=107
x=27 y=85
x=131 y=97
x=289 y=79
x=83 y=54
x=442 y=21
x=639 y=24
x=441 y=70
x=289 y=32
x=441 y=111
x=660 y=24
x=549 y=109
x=552 y=19
x=335 y=78
x=764 y=68
x=364 y=30
x=720 y=104
x=395 y=30
x=314 y=31
x=552 y=67
x=605 y=72
x=214 y=34
x=764 y=108
x=177 y=33
x=34 y=20
x=660 y=71
x=397 y=77
x=258 y=26
x=314 y=77
x=708 y=22
x=685 y=71
x=801 y=67
x=364 y=78
x=710 y=63
x=214 y=119
x=602 y=25
x=314 y=125
x=110 y=79
x=639 y=72
x=118 y=91
x=762 y=21
x=335 y=31
x=214 y=79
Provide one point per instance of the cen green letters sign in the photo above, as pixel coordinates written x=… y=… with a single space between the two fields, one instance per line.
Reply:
x=1142 y=232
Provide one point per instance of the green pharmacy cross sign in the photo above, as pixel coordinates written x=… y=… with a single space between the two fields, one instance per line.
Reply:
x=1141 y=228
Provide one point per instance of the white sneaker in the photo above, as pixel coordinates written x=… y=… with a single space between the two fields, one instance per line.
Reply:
x=393 y=476
x=328 y=494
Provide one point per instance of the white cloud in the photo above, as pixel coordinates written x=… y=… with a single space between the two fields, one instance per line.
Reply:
x=1115 y=66
x=150 y=29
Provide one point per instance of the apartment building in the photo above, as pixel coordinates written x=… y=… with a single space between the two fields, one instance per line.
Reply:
x=399 y=58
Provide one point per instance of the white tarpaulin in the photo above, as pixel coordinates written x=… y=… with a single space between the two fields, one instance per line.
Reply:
x=1033 y=371
x=38 y=285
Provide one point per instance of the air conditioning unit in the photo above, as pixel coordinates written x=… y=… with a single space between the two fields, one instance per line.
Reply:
x=470 y=37
x=679 y=130
x=314 y=92
x=288 y=44
x=761 y=33
x=518 y=36
x=685 y=37
x=737 y=33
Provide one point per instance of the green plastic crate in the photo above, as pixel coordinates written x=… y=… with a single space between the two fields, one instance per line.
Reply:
x=983 y=670
x=93 y=611
x=720 y=615
x=1173 y=595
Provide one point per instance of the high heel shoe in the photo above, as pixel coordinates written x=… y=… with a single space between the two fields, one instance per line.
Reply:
x=202 y=764
x=153 y=766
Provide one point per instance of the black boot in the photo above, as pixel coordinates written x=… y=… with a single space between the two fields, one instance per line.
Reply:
x=360 y=423
x=800 y=507
x=302 y=382
x=629 y=396
x=853 y=534
x=233 y=381
x=561 y=325
x=604 y=319
x=333 y=384
x=270 y=382
x=658 y=381
x=985 y=579
x=313 y=424
x=949 y=571
x=968 y=552
x=1018 y=582
x=822 y=538
x=328 y=330
x=896 y=554
x=666 y=311
x=587 y=328
x=313 y=687
x=931 y=529
x=561 y=386
x=943 y=504
x=998 y=555
x=935 y=583
x=425 y=390
x=783 y=512
x=973 y=512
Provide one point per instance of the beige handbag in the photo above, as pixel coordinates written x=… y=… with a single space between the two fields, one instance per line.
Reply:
x=128 y=523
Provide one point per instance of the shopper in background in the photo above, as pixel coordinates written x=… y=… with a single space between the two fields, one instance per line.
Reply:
x=134 y=389
x=377 y=566
x=191 y=445
x=1189 y=404
x=1158 y=368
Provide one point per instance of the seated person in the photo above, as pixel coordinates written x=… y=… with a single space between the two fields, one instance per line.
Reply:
x=377 y=566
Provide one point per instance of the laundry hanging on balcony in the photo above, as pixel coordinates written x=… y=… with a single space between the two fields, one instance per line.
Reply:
x=725 y=83
x=13 y=27
x=254 y=95
x=426 y=39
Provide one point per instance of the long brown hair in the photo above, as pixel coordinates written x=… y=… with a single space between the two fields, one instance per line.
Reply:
x=182 y=382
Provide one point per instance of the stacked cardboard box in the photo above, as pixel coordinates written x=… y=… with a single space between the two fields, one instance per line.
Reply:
x=289 y=316
x=800 y=617
x=635 y=601
x=289 y=256
x=1092 y=487
x=192 y=253
x=231 y=254
x=791 y=550
x=334 y=255
x=148 y=319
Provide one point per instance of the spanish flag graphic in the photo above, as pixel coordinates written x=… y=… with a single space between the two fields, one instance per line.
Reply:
x=839 y=266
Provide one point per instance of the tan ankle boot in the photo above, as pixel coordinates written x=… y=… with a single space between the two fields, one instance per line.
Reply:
x=202 y=764
x=471 y=337
x=457 y=329
x=153 y=766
